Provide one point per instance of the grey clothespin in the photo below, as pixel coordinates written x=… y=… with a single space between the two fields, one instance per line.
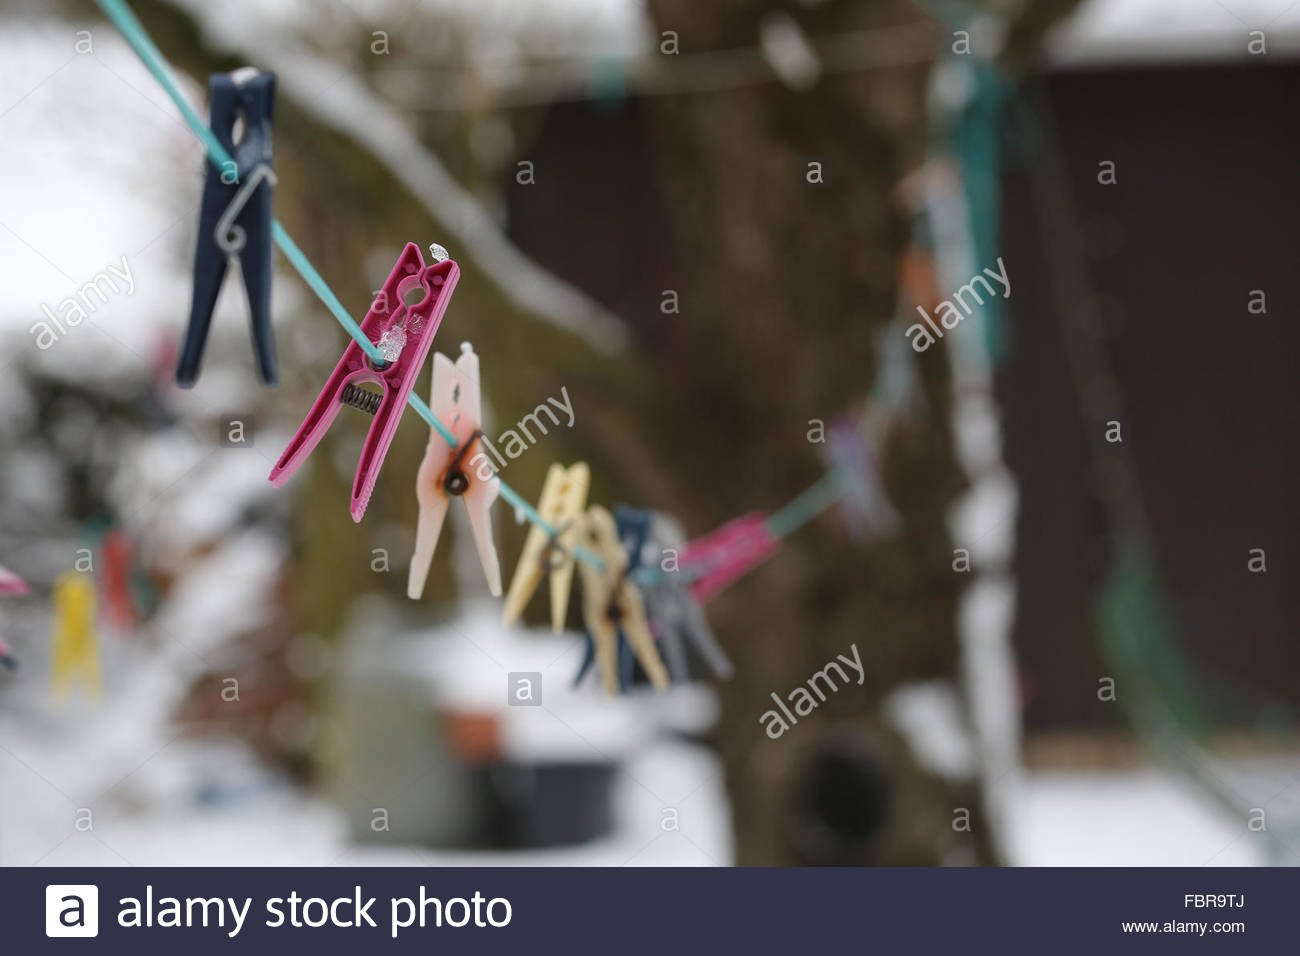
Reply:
x=676 y=617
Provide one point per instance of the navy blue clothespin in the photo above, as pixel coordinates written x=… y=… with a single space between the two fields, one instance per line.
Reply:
x=235 y=217
x=588 y=658
x=633 y=529
x=627 y=666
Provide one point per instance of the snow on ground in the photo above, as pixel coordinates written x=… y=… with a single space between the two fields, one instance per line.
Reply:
x=114 y=783
x=254 y=819
x=1130 y=818
x=210 y=802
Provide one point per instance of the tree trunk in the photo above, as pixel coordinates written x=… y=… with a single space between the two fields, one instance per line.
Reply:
x=784 y=287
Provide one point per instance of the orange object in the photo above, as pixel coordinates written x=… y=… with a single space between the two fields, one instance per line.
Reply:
x=474 y=736
x=918 y=278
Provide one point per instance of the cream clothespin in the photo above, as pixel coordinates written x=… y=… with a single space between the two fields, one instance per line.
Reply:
x=463 y=472
x=564 y=496
x=612 y=603
x=76 y=648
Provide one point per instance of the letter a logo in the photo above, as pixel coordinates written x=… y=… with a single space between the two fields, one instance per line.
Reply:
x=71 y=910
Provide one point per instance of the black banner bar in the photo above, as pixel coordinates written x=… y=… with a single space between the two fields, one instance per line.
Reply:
x=629 y=911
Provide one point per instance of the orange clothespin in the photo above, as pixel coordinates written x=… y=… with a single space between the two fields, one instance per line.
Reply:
x=75 y=645
x=564 y=495
x=611 y=603
x=463 y=472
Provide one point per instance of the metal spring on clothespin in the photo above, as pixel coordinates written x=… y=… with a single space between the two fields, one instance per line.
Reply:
x=361 y=398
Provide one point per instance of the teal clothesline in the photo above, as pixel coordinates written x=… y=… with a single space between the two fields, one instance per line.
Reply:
x=801 y=510
x=815 y=499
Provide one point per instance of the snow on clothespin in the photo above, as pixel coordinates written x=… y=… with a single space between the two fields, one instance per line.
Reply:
x=75 y=650
x=405 y=332
x=612 y=605
x=564 y=496
x=722 y=557
x=463 y=472
x=235 y=217
x=850 y=451
x=11 y=585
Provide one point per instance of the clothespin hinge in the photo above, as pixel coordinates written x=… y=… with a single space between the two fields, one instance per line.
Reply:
x=457 y=482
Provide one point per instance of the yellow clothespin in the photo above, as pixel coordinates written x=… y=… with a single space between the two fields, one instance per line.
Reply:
x=76 y=648
x=611 y=602
x=564 y=495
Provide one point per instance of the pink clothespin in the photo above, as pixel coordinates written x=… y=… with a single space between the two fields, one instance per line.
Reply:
x=405 y=333
x=463 y=472
x=728 y=554
x=7 y=659
x=11 y=585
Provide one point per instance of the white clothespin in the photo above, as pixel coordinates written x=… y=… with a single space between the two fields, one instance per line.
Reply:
x=463 y=472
